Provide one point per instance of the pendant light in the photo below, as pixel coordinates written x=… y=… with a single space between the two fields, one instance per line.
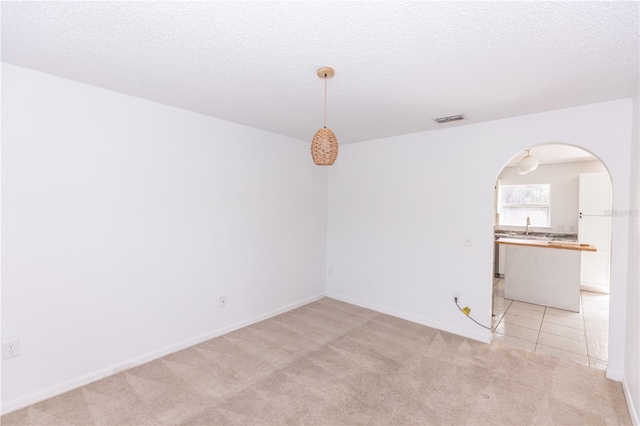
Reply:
x=528 y=163
x=324 y=146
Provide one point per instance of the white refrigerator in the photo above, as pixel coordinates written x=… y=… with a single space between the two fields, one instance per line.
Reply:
x=594 y=227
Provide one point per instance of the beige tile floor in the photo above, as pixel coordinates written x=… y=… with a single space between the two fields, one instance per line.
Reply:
x=579 y=337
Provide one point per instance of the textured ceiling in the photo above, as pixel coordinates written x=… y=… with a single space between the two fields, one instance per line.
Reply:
x=398 y=65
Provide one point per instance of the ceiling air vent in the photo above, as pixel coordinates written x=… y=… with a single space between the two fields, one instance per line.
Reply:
x=450 y=118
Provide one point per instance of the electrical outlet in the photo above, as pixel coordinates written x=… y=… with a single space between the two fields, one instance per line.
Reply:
x=560 y=228
x=10 y=349
x=456 y=295
x=223 y=301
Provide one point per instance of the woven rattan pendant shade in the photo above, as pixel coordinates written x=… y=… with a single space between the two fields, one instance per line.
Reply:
x=324 y=146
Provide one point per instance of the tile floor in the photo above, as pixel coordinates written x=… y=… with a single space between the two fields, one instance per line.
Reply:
x=579 y=337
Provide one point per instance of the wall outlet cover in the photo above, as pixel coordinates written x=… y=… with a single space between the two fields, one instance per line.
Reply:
x=10 y=349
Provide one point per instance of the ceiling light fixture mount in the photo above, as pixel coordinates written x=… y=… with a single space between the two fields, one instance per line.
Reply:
x=326 y=72
x=324 y=146
x=528 y=164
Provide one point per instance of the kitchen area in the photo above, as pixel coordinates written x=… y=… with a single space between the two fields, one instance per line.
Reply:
x=551 y=260
x=543 y=269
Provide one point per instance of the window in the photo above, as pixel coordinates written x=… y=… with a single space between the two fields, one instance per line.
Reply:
x=517 y=202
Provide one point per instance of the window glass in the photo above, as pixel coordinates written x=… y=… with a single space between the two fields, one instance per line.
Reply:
x=518 y=202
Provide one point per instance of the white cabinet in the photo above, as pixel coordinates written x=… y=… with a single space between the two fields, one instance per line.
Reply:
x=594 y=227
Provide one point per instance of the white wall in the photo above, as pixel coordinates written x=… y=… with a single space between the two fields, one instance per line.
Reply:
x=564 y=179
x=632 y=357
x=399 y=208
x=124 y=221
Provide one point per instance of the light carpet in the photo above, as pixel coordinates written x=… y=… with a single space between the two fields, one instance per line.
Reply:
x=331 y=363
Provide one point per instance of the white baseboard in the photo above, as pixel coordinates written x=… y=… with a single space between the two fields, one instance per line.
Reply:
x=619 y=376
x=480 y=336
x=616 y=375
x=632 y=409
x=67 y=386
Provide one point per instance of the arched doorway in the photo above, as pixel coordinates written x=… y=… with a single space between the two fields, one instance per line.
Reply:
x=544 y=207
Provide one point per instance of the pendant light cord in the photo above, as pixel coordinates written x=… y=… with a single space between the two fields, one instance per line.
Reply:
x=325 y=100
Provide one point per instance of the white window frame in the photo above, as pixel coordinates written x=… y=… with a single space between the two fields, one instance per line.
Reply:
x=547 y=205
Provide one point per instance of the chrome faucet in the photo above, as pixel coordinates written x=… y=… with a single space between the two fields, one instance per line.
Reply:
x=526 y=230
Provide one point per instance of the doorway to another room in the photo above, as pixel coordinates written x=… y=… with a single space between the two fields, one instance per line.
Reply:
x=552 y=254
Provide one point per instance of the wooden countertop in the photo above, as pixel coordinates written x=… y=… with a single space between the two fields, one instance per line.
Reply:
x=547 y=244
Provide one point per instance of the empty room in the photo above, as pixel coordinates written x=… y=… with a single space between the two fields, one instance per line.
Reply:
x=327 y=213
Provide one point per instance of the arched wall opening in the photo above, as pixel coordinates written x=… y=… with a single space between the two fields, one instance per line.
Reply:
x=555 y=298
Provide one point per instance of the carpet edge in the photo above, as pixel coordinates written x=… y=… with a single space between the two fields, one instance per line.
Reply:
x=480 y=336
